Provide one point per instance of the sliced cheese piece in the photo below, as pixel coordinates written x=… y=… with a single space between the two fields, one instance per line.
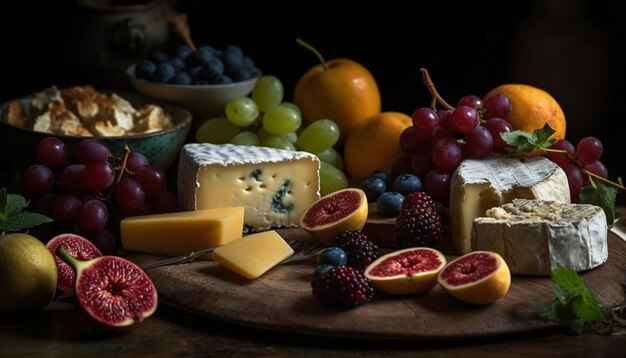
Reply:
x=275 y=186
x=480 y=184
x=180 y=233
x=253 y=255
x=534 y=235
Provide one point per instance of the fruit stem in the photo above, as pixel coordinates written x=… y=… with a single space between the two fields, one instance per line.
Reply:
x=181 y=25
x=618 y=184
x=433 y=91
x=315 y=51
x=71 y=260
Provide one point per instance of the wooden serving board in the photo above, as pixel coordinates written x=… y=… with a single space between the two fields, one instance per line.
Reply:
x=281 y=300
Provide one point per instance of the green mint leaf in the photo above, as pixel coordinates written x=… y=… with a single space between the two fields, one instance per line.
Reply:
x=15 y=204
x=3 y=204
x=567 y=279
x=528 y=142
x=23 y=220
x=603 y=196
x=13 y=217
x=542 y=135
x=587 y=308
x=561 y=294
x=516 y=138
x=577 y=325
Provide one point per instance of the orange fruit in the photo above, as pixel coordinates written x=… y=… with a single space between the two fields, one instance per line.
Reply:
x=344 y=91
x=532 y=107
x=411 y=271
x=478 y=277
x=374 y=144
x=334 y=213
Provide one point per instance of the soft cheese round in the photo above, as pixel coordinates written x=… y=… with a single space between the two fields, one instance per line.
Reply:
x=480 y=184
x=534 y=235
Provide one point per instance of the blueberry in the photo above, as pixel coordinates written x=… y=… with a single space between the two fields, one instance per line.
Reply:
x=182 y=78
x=158 y=57
x=177 y=63
x=381 y=175
x=389 y=203
x=207 y=49
x=212 y=70
x=195 y=71
x=234 y=49
x=334 y=256
x=198 y=58
x=442 y=210
x=406 y=184
x=373 y=187
x=222 y=80
x=182 y=52
x=145 y=69
x=233 y=64
x=248 y=64
x=164 y=73
x=322 y=269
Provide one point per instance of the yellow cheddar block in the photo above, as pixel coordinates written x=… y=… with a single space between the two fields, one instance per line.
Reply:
x=180 y=233
x=254 y=254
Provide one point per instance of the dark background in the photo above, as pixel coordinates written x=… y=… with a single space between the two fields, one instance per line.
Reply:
x=570 y=48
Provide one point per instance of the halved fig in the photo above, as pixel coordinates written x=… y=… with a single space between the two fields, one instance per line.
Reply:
x=478 y=277
x=411 y=271
x=78 y=247
x=334 y=213
x=112 y=291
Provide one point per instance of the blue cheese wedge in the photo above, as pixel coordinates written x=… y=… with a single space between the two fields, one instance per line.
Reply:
x=274 y=186
x=480 y=184
x=534 y=235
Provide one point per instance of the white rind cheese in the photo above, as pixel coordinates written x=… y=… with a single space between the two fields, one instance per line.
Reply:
x=274 y=186
x=534 y=235
x=480 y=184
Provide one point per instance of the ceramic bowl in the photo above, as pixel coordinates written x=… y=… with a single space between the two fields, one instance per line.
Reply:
x=17 y=146
x=204 y=101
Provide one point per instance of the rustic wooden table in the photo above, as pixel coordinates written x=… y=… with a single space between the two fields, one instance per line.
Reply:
x=176 y=333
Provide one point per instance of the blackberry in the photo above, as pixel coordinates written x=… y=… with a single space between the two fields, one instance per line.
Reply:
x=342 y=286
x=360 y=250
x=419 y=222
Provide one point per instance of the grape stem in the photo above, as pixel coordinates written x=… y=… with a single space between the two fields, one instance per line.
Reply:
x=181 y=25
x=618 y=184
x=315 y=51
x=433 y=91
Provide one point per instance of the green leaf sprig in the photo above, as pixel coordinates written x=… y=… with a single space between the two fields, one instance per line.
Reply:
x=575 y=305
x=602 y=192
x=13 y=217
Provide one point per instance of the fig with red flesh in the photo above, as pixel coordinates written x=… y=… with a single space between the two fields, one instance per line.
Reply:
x=411 y=271
x=478 y=277
x=113 y=292
x=78 y=247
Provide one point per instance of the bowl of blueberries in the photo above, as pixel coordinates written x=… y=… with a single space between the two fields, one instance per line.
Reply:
x=201 y=80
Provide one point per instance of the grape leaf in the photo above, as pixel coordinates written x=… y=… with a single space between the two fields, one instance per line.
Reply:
x=528 y=142
x=603 y=196
x=13 y=217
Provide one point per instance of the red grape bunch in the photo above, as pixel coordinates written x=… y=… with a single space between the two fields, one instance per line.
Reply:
x=92 y=189
x=580 y=163
x=440 y=139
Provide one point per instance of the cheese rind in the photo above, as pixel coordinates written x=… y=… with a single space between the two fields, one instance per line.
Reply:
x=180 y=233
x=253 y=255
x=480 y=184
x=274 y=186
x=534 y=235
